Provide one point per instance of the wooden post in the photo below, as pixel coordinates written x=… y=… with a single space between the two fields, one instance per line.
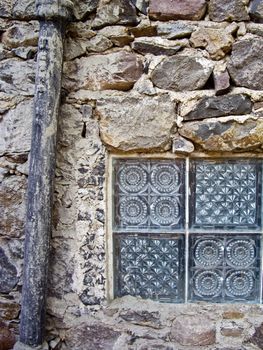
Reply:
x=53 y=15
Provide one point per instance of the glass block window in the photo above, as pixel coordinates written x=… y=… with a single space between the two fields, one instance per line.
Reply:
x=187 y=230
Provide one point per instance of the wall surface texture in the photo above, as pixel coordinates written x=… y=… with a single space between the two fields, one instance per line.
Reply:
x=169 y=77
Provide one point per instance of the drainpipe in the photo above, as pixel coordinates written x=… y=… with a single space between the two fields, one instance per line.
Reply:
x=53 y=16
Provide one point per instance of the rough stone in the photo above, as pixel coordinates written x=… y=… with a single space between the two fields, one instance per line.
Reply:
x=225 y=133
x=92 y=337
x=175 y=30
x=221 y=81
x=8 y=273
x=25 y=53
x=142 y=318
x=115 y=12
x=182 y=72
x=9 y=311
x=12 y=205
x=255 y=28
x=158 y=46
x=256 y=10
x=145 y=86
x=74 y=48
x=118 y=71
x=82 y=8
x=181 y=145
x=17 y=76
x=4 y=54
x=144 y=28
x=193 y=330
x=233 y=315
x=6 y=8
x=216 y=41
x=246 y=66
x=257 y=337
x=21 y=34
x=209 y=107
x=141 y=5
x=99 y=43
x=7 y=338
x=228 y=10
x=15 y=129
x=23 y=9
x=136 y=123
x=231 y=329
x=177 y=9
x=118 y=35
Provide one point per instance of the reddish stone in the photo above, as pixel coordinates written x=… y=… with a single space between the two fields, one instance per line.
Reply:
x=221 y=82
x=7 y=338
x=177 y=9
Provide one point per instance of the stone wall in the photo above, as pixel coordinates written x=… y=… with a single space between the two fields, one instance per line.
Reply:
x=168 y=77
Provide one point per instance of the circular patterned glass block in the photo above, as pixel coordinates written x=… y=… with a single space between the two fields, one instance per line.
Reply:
x=165 y=178
x=240 y=283
x=133 y=178
x=209 y=252
x=165 y=211
x=133 y=211
x=240 y=252
x=208 y=283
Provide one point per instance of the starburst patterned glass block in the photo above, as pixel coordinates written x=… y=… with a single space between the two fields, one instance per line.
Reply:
x=224 y=268
x=225 y=194
x=149 y=194
x=150 y=267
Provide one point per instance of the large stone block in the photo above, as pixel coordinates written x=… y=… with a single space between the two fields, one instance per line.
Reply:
x=256 y=10
x=15 y=129
x=177 y=9
x=228 y=10
x=115 y=12
x=21 y=34
x=246 y=65
x=158 y=46
x=220 y=106
x=118 y=70
x=17 y=76
x=136 y=123
x=193 y=330
x=182 y=72
x=12 y=206
x=225 y=134
x=91 y=337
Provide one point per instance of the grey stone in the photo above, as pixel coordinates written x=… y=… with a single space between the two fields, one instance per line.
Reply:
x=221 y=81
x=256 y=10
x=92 y=337
x=74 y=48
x=255 y=28
x=5 y=8
x=21 y=346
x=17 y=76
x=137 y=123
x=228 y=10
x=21 y=34
x=182 y=145
x=144 y=28
x=25 y=53
x=118 y=70
x=141 y=5
x=257 y=337
x=220 y=106
x=175 y=30
x=8 y=273
x=174 y=9
x=12 y=205
x=225 y=134
x=158 y=46
x=15 y=129
x=216 y=41
x=245 y=66
x=182 y=72
x=118 y=35
x=99 y=43
x=24 y=9
x=84 y=7
x=115 y=12
x=4 y=54
x=193 y=330
x=142 y=317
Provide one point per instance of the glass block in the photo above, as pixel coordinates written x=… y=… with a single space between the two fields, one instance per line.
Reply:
x=225 y=194
x=149 y=195
x=150 y=267
x=224 y=268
